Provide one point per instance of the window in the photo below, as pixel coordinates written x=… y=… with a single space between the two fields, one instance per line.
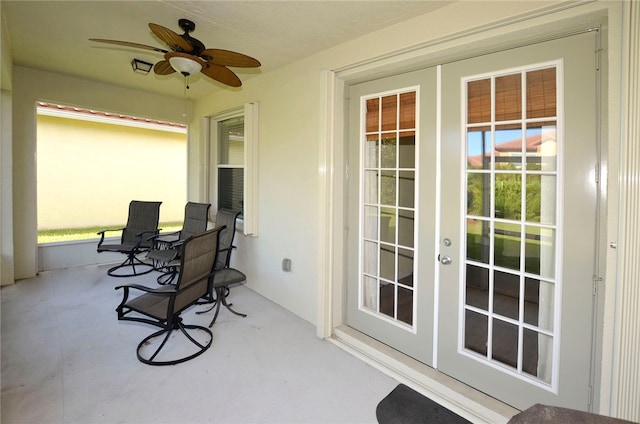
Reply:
x=233 y=138
x=231 y=164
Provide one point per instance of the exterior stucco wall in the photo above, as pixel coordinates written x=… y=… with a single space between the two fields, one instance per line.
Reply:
x=117 y=164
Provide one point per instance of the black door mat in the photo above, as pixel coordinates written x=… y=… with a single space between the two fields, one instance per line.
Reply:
x=406 y=406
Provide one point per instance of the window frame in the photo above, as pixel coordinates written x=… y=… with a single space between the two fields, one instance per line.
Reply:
x=249 y=111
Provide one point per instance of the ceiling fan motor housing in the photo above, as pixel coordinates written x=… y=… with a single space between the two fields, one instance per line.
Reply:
x=186 y=25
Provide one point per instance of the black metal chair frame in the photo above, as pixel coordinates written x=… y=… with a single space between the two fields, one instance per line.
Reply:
x=221 y=281
x=224 y=276
x=134 y=239
x=162 y=306
x=166 y=247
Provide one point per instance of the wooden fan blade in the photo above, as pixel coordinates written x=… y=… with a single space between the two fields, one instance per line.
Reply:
x=163 y=68
x=229 y=58
x=129 y=44
x=172 y=39
x=222 y=74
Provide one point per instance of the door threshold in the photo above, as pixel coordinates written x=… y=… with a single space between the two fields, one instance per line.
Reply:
x=465 y=401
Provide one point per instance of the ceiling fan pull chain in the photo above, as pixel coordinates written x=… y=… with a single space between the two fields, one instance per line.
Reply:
x=186 y=84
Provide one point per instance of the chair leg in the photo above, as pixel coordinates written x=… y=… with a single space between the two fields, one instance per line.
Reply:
x=147 y=339
x=210 y=299
x=131 y=261
x=215 y=315
x=167 y=276
x=222 y=299
x=151 y=360
x=229 y=305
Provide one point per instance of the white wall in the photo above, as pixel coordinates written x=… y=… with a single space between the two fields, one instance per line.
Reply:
x=6 y=62
x=6 y=158
x=6 y=196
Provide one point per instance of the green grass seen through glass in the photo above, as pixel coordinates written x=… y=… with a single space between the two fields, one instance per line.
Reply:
x=73 y=234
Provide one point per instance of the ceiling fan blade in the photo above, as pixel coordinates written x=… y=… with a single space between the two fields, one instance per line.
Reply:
x=222 y=74
x=173 y=40
x=129 y=44
x=229 y=58
x=163 y=68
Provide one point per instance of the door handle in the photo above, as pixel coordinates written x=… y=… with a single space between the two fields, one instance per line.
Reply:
x=445 y=260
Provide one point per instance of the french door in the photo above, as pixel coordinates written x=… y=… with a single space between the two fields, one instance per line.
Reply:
x=390 y=220
x=472 y=218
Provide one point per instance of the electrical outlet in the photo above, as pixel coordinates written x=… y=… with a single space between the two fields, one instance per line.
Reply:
x=286 y=265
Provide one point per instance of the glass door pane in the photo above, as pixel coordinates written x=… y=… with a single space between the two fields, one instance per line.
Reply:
x=510 y=220
x=388 y=207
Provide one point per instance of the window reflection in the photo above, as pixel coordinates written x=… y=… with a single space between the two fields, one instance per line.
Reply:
x=506 y=294
x=407 y=110
x=387 y=299
x=508 y=97
x=476 y=330
x=478 y=242
x=479 y=101
x=389 y=113
x=504 y=348
x=541 y=93
x=477 y=287
x=388 y=153
x=407 y=150
x=372 y=115
x=478 y=148
x=405 y=305
x=542 y=137
x=507 y=244
x=508 y=196
x=387 y=262
x=371 y=151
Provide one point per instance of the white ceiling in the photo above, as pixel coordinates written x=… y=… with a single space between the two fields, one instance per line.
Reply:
x=54 y=35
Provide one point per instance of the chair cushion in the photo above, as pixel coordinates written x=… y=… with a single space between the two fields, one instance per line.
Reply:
x=227 y=276
x=121 y=248
x=151 y=304
x=164 y=256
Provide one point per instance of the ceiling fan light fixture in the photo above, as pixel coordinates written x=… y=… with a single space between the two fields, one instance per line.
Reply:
x=184 y=63
x=140 y=66
x=188 y=56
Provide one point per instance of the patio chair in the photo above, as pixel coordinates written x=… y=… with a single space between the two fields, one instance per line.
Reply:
x=166 y=247
x=226 y=218
x=142 y=223
x=162 y=306
x=224 y=276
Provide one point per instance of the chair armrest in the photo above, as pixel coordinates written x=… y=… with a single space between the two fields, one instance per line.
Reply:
x=141 y=236
x=102 y=233
x=228 y=259
x=166 y=289
x=163 y=236
x=153 y=233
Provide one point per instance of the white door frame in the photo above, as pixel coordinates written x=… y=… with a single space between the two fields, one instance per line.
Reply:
x=332 y=166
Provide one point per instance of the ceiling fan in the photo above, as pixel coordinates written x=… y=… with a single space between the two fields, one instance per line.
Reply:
x=189 y=56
